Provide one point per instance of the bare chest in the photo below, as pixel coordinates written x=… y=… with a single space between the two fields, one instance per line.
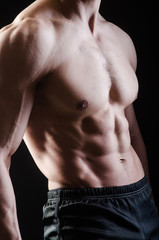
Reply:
x=89 y=76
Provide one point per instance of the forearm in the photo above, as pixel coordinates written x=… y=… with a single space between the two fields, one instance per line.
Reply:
x=9 y=229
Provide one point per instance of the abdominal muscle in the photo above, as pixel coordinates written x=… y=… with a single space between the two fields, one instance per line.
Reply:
x=114 y=169
x=91 y=152
x=111 y=170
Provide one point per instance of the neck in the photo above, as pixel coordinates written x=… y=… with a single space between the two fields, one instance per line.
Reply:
x=86 y=10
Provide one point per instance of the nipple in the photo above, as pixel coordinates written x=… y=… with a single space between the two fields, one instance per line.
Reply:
x=83 y=105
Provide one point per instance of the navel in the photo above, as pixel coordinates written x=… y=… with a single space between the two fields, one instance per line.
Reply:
x=82 y=105
x=122 y=160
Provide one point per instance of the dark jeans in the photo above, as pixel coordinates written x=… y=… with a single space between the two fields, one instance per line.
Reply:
x=116 y=213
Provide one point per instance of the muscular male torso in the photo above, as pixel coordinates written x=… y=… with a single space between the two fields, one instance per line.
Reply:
x=78 y=133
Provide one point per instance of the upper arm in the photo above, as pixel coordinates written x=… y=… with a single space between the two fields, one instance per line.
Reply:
x=22 y=63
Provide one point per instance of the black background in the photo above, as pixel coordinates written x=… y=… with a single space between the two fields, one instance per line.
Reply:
x=140 y=21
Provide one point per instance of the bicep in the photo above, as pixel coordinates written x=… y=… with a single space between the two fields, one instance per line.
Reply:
x=24 y=52
x=16 y=93
x=15 y=109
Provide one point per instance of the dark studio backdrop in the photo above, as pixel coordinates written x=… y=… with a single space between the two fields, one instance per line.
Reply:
x=140 y=21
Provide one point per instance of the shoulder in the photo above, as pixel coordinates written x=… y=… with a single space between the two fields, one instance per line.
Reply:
x=26 y=43
x=26 y=31
x=32 y=26
x=119 y=36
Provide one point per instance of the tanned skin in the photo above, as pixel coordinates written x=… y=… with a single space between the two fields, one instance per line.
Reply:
x=67 y=87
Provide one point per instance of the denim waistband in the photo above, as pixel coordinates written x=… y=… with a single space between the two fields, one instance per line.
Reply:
x=103 y=191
